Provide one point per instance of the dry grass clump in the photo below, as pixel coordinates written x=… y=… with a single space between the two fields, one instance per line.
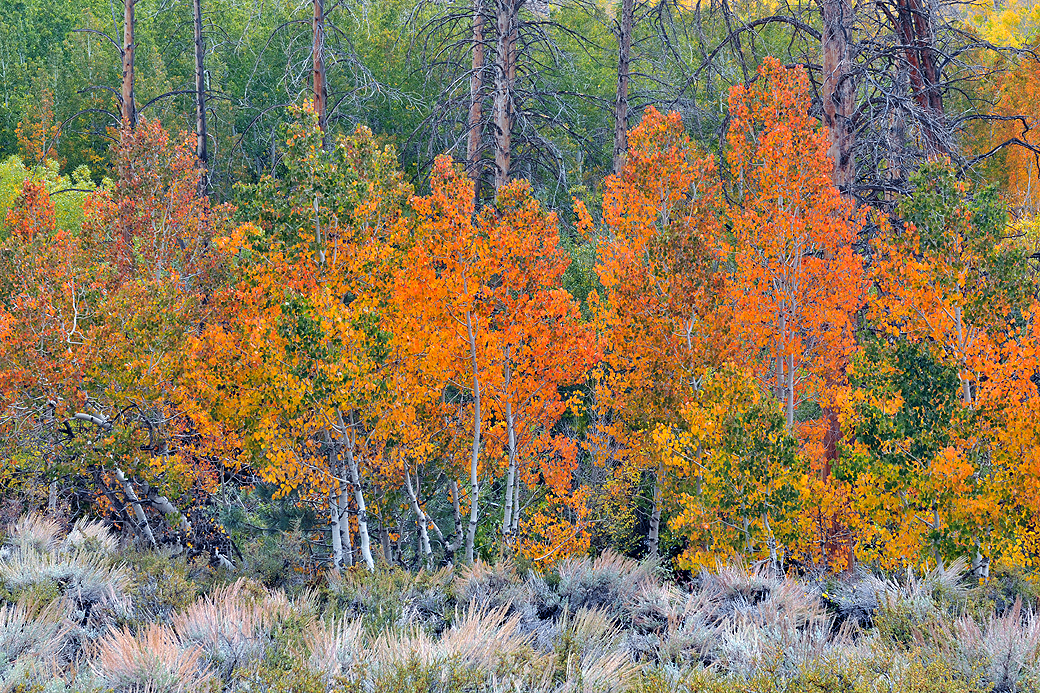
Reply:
x=234 y=627
x=30 y=633
x=78 y=567
x=154 y=660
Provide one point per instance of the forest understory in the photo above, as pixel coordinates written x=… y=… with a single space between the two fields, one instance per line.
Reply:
x=84 y=614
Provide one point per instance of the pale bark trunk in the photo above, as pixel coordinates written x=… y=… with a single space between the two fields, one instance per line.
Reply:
x=838 y=89
x=653 y=539
x=344 y=508
x=420 y=519
x=163 y=504
x=201 y=144
x=505 y=72
x=774 y=562
x=790 y=392
x=335 y=513
x=318 y=55
x=349 y=440
x=476 y=99
x=129 y=107
x=474 y=479
x=507 y=516
x=135 y=504
x=621 y=100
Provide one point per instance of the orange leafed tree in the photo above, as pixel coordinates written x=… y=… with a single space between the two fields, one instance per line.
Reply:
x=93 y=352
x=660 y=313
x=483 y=315
x=797 y=280
x=288 y=376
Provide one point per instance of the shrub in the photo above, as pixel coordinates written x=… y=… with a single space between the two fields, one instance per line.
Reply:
x=155 y=660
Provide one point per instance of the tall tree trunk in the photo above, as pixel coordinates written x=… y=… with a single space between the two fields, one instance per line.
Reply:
x=129 y=107
x=790 y=392
x=335 y=512
x=507 y=20
x=621 y=100
x=201 y=144
x=476 y=100
x=507 y=516
x=348 y=437
x=839 y=89
x=318 y=53
x=344 y=508
x=474 y=479
x=914 y=25
x=421 y=520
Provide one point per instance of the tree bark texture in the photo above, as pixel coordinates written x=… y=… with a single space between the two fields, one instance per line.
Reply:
x=621 y=100
x=129 y=107
x=201 y=136
x=839 y=89
x=318 y=54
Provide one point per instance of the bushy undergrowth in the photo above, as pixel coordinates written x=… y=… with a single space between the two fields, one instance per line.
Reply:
x=79 y=615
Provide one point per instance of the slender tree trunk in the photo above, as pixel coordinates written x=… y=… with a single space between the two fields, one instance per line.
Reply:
x=653 y=538
x=790 y=392
x=621 y=100
x=516 y=509
x=838 y=91
x=135 y=505
x=318 y=54
x=474 y=151
x=335 y=512
x=129 y=107
x=201 y=136
x=474 y=479
x=421 y=519
x=348 y=438
x=507 y=506
x=774 y=562
x=506 y=15
x=344 y=524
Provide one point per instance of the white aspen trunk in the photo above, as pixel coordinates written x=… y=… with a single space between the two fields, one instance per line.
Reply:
x=135 y=503
x=359 y=498
x=335 y=513
x=507 y=516
x=505 y=72
x=335 y=518
x=420 y=519
x=774 y=563
x=474 y=479
x=790 y=392
x=516 y=509
x=201 y=135
x=344 y=524
x=163 y=504
x=653 y=539
x=52 y=498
